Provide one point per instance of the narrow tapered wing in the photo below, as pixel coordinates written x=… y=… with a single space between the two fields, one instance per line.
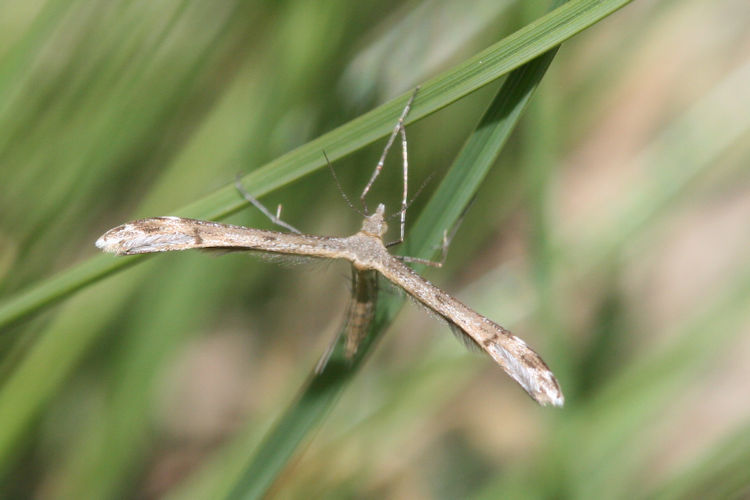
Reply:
x=515 y=357
x=366 y=251
x=164 y=234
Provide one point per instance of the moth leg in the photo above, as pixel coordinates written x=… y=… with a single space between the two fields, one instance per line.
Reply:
x=447 y=239
x=257 y=204
x=396 y=130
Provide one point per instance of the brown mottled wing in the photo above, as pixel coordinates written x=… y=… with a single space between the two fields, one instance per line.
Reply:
x=515 y=357
x=164 y=234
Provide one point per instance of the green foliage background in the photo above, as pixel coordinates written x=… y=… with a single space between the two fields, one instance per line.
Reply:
x=611 y=234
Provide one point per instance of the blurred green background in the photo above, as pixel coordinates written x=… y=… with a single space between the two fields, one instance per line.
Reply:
x=612 y=235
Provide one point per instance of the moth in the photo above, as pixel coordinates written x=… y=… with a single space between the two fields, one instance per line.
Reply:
x=369 y=256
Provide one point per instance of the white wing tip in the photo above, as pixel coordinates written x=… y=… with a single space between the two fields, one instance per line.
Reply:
x=108 y=244
x=548 y=392
x=157 y=234
x=530 y=372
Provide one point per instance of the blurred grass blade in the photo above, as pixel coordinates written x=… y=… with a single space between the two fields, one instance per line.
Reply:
x=509 y=53
x=720 y=473
x=15 y=61
x=443 y=210
x=628 y=401
x=613 y=419
x=683 y=151
x=607 y=432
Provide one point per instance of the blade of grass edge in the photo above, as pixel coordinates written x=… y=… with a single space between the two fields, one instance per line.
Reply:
x=509 y=53
x=444 y=208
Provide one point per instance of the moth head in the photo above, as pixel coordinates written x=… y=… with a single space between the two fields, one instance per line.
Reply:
x=375 y=224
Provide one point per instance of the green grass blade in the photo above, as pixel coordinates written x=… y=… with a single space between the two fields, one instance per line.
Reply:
x=485 y=67
x=443 y=210
x=60 y=286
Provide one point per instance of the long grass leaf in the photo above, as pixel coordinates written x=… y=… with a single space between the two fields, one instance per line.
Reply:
x=443 y=210
x=477 y=71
